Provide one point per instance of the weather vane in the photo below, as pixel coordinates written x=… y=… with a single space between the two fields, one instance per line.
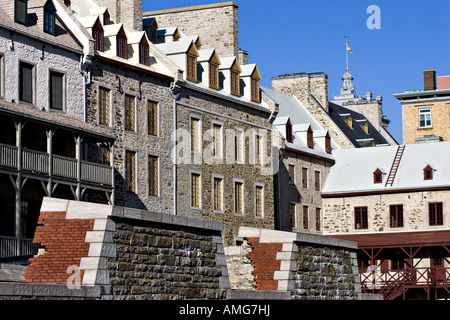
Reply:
x=347 y=49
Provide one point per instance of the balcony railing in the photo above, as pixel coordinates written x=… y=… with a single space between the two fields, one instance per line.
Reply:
x=38 y=162
x=9 y=247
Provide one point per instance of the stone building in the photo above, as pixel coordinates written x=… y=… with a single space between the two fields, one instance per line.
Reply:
x=43 y=63
x=394 y=202
x=312 y=90
x=305 y=160
x=222 y=156
x=426 y=115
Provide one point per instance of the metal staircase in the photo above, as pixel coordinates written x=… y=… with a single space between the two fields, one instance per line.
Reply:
x=395 y=164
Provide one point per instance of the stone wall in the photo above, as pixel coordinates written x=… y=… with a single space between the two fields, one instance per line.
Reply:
x=216 y=24
x=307 y=267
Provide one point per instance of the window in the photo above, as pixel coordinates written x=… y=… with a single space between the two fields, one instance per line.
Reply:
x=289 y=137
x=361 y=218
x=239 y=197
x=350 y=122
x=20 y=11
x=105 y=156
x=144 y=52
x=106 y=18
x=292 y=213
x=305 y=217
x=435 y=214
x=235 y=83
x=291 y=174
x=305 y=178
x=318 y=212
x=317 y=180
x=259 y=201
x=103 y=107
x=56 y=90
x=67 y=3
x=195 y=190
x=98 y=35
x=49 y=18
x=254 y=85
x=396 y=215
x=378 y=176
x=239 y=145
x=218 y=193
x=191 y=67
x=122 y=45
x=195 y=134
x=153 y=176
x=425 y=118
x=213 y=75
x=1 y=75
x=217 y=140
x=258 y=150
x=309 y=138
x=130 y=113
x=366 y=128
x=26 y=75
x=152 y=118
x=428 y=173
x=130 y=171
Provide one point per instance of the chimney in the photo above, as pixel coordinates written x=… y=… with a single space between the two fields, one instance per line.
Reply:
x=429 y=80
x=242 y=57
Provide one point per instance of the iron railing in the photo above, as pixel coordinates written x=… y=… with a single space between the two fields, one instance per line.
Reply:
x=9 y=247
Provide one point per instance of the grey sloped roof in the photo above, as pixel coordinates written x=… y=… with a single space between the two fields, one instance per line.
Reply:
x=356 y=135
x=353 y=170
x=62 y=37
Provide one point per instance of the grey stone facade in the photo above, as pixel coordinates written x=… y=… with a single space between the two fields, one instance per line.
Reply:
x=216 y=24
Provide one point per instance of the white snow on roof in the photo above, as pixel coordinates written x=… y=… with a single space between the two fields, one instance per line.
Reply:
x=354 y=168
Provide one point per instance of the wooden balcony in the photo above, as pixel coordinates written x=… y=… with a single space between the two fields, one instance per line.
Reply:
x=39 y=163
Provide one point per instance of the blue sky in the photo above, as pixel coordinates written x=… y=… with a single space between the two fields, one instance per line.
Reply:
x=290 y=36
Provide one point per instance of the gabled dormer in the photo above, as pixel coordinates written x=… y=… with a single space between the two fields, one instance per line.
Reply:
x=103 y=14
x=208 y=71
x=378 y=175
x=49 y=18
x=93 y=25
x=289 y=135
x=250 y=77
x=305 y=133
x=139 y=48
x=150 y=26
x=116 y=41
x=230 y=73
x=323 y=138
x=21 y=11
x=168 y=35
x=428 y=172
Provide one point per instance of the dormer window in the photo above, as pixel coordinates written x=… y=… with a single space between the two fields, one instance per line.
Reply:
x=144 y=52
x=235 y=83
x=122 y=45
x=428 y=173
x=350 y=122
x=176 y=36
x=49 y=18
x=309 y=138
x=98 y=35
x=21 y=11
x=378 y=176
x=254 y=84
x=191 y=64
x=106 y=18
x=214 y=75
x=67 y=3
x=289 y=137
x=366 y=127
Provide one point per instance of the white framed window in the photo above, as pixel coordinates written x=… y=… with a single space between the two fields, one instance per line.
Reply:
x=196 y=127
x=217 y=139
x=259 y=200
x=239 y=198
x=259 y=144
x=218 y=193
x=196 y=190
x=239 y=143
x=425 y=118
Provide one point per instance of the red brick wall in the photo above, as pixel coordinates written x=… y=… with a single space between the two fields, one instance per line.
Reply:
x=64 y=246
x=263 y=257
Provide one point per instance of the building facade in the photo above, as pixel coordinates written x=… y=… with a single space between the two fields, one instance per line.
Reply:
x=426 y=116
x=393 y=201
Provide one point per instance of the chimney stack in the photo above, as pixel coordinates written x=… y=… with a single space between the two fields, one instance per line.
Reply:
x=429 y=80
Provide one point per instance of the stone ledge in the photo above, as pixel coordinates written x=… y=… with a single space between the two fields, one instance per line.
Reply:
x=47 y=290
x=257 y=295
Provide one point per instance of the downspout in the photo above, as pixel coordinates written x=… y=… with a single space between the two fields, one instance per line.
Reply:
x=86 y=82
x=175 y=158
